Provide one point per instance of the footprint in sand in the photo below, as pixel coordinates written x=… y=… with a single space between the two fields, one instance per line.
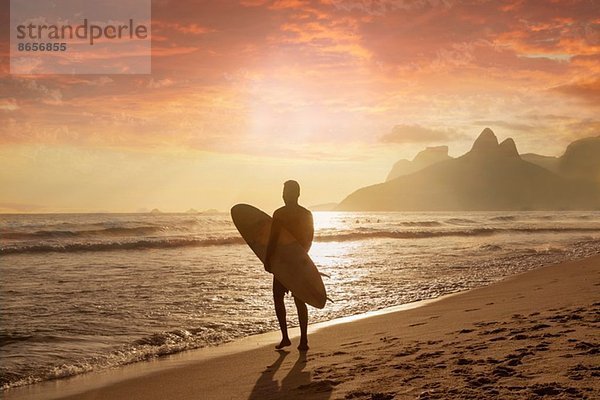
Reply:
x=520 y=336
x=551 y=335
x=566 y=331
x=588 y=348
x=407 y=351
x=359 y=394
x=481 y=324
x=405 y=366
x=537 y=327
x=581 y=371
x=429 y=355
x=462 y=371
x=464 y=361
x=554 y=389
x=479 y=346
x=325 y=385
x=493 y=331
x=339 y=353
x=543 y=346
x=514 y=359
x=503 y=372
x=412 y=378
x=480 y=380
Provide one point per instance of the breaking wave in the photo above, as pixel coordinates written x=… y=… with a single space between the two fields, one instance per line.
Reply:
x=146 y=348
x=106 y=232
x=363 y=234
x=144 y=244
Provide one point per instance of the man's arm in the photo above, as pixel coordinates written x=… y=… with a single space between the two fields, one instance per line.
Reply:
x=273 y=236
x=311 y=230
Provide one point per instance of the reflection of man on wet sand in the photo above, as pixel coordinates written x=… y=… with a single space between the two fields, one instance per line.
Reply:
x=298 y=221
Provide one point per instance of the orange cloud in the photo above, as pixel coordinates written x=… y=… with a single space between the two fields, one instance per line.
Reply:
x=586 y=90
x=190 y=28
x=8 y=104
x=336 y=71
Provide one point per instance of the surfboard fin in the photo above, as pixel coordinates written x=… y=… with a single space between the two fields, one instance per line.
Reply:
x=325 y=275
x=330 y=300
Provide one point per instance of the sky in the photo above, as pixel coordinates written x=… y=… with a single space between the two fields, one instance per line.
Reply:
x=244 y=95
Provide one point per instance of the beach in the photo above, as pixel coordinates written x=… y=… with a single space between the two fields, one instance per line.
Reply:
x=531 y=335
x=84 y=293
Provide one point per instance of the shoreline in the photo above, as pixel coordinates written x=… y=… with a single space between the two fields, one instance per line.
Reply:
x=73 y=385
x=212 y=369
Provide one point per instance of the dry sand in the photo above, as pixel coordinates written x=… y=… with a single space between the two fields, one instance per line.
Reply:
x=535 y=335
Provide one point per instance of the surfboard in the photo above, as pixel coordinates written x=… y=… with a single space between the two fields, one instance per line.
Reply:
x=290 y=263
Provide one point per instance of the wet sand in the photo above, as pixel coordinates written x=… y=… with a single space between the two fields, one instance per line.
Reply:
x=534 y=335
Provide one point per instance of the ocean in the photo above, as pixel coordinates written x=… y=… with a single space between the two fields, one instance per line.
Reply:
x=85 y=292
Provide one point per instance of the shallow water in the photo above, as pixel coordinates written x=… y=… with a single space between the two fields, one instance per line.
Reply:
x=82 y=292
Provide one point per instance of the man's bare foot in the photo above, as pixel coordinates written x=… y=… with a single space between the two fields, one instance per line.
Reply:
x=303 y=346
x=283 y=343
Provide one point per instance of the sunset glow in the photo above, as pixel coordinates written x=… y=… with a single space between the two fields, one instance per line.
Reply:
x=244 y=95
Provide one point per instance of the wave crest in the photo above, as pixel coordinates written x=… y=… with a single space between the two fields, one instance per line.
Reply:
x=144 y=244
x=364 y=234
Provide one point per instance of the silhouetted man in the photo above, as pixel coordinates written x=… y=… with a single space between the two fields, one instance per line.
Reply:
x=298 y=221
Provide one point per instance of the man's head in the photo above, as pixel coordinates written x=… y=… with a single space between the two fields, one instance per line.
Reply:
x=291 y=192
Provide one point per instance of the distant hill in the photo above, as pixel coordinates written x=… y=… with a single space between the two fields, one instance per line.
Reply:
x=581 y=160
x=425 y=158
x=491 y=176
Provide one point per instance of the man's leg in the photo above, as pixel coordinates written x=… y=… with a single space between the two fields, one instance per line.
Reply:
x=303 y=319
x=278 y=294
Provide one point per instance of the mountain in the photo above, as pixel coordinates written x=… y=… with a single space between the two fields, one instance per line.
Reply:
x=425 y=158
x=582 y=160
x=548 y=162
x=491 y=176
